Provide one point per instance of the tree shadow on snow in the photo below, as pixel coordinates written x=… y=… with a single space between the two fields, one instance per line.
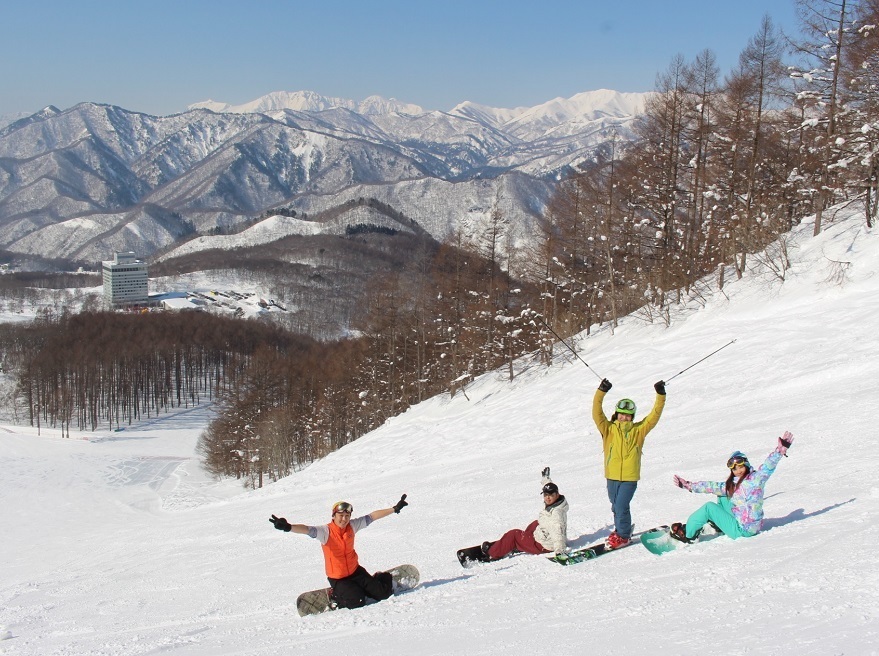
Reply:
x=800 y=514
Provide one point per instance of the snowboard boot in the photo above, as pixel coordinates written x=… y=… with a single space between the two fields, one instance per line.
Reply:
x=615 y=541
x=679 y=532
x=485 y=547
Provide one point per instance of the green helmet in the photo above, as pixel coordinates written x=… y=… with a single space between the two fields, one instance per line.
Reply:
x=626 y=406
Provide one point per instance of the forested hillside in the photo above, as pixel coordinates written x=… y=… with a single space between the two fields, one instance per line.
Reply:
x=721 y=170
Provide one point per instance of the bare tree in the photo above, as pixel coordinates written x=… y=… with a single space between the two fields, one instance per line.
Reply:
x=826 y=28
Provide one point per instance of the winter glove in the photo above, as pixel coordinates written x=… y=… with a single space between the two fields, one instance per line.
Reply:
x=659 y=386
x=680 y=482
x=280 y=523
x=604 y=385
x=401 y=504
x=545 y=472
x=784 y=443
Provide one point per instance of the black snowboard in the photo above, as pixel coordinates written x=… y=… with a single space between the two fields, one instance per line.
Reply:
x=472 y=555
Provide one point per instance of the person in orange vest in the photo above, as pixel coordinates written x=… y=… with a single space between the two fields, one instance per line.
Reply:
x=351 y=584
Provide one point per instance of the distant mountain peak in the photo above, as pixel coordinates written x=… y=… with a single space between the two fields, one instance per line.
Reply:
x=587 y=104
x=309 y=101
x=15 y=121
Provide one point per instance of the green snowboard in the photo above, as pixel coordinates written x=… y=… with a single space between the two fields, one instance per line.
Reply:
x=313 y=602
x=596 y=550
x=660 y=540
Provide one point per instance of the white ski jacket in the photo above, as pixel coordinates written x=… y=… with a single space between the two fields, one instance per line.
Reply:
x=552 y=525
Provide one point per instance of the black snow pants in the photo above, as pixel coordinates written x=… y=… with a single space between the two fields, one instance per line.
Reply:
x=352 y=591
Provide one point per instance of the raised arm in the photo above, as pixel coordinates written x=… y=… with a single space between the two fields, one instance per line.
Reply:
x=598 y=416
x=378 y=514
x=649 y=422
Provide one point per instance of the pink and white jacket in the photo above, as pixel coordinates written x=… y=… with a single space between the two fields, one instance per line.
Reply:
x=746 y=502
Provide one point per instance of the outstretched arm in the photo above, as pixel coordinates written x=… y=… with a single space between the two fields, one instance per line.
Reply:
x=378 y=514
x=283 y=525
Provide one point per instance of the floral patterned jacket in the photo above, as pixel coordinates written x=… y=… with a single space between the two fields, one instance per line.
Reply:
x=746 y=502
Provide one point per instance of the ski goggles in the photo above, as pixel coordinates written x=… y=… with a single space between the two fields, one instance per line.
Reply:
x=343 y=507
x=626 y=406
x=732 y=463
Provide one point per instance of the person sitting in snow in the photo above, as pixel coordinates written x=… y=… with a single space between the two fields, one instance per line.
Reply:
x=351 y=584
x=547 y=533
x=623 y=440
x=738 y=511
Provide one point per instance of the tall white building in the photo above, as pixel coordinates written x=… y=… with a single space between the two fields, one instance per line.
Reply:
x=125 y=280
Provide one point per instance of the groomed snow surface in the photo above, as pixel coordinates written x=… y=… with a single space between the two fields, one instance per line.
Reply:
x=118 y=544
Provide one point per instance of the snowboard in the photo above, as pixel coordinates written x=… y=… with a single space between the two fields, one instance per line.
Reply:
x=472 y=555
x=659 y=541
x=596 y=550
x=405 y=577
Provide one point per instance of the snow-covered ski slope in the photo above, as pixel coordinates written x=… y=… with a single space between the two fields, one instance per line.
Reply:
x=117 y=544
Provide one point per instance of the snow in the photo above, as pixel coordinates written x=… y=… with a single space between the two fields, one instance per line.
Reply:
x=117 y=543
x=266 y=231
x=310 y=102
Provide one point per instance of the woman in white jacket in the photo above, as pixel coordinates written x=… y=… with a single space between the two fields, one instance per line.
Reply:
x=548 y=533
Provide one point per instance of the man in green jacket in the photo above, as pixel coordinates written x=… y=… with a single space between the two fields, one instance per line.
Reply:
x=623 y=440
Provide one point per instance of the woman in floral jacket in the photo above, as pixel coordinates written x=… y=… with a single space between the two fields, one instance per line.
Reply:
x=738 y=511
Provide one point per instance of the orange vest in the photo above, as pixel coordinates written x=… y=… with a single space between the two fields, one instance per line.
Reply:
x=339 y=555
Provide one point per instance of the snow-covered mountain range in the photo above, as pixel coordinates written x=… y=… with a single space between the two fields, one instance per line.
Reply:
x=91 y=179
x=308 y=101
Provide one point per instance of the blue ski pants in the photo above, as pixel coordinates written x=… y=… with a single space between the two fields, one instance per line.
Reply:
x=718 y=512
x=620 y=494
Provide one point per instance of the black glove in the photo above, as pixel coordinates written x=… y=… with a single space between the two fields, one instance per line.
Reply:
x=604 y=385
x=545 y=472
x=280 y=523
x=659 y=387
x=400 y=504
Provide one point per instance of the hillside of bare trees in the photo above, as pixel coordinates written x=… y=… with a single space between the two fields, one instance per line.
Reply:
x=720 y=169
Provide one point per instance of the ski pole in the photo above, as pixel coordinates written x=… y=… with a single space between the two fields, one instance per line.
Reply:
x=566 y=344
x=698 y=361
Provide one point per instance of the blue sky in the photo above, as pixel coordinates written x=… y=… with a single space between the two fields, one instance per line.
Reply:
x=159 y=56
